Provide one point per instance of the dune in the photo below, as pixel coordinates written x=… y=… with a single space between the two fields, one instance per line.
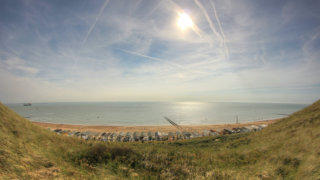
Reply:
x=287 y=148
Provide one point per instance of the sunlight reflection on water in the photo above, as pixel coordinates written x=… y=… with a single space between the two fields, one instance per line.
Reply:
x=151 y=113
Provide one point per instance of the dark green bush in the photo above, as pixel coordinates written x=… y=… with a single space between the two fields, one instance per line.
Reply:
x=102 y=154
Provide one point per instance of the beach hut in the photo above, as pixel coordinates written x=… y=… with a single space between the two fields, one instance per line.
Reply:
x=71 y=133
x=151 y=136
x=244 y=130
x=64 y=132
x=158 y=136
x=128 y=137
x=212 y=133
x=236 y=130
x=57 y=131
x=186 y=135
x=165 y=136
x=205 y=133
x=179 y=135
x=136 y=136
x=171 y=136
x=104 y=136
x=263 y=126
x=249 y=128
x=90 y=135
x=120 y=136
x=107 y=136
x=84 y=135
x=77 y=133
x=194 y=135
x=226 y=131
x=144 y=136
x=255 y=128
x=95 y=135
x=113 y=137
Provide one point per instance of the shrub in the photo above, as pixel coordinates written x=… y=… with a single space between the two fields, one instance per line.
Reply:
x=97 y=153
x=102 y=154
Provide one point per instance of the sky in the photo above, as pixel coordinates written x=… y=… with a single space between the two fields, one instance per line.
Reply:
x=121 y=50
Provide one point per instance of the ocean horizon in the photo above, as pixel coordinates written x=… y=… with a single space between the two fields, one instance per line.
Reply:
x=153 y=113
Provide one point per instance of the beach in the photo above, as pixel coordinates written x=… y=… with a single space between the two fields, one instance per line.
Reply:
x=165 y=128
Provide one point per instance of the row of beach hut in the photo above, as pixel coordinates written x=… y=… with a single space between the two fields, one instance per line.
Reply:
x=154 y=136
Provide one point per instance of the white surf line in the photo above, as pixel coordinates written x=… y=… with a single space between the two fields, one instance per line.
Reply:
x=95 y=22
x=220 y=27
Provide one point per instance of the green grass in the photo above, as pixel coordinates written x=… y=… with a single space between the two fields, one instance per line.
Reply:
x=286 y=149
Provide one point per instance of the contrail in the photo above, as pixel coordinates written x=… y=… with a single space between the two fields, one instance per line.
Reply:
x=208 y=19
x=162 y=60
x=154 y=9
x=175 y=5
x=153 y=58
x=221 y=30
x=139 y=54
x=136 y=5
x=95 y=22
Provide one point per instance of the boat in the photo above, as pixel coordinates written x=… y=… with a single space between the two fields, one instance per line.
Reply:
x=26 y=104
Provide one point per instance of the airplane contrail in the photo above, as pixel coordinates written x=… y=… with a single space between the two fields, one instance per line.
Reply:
x=136 y=5
x=162 y=60
x=154 y=9
x=95 y=22
x=153 y=58
x=221 y=30
x=213 y=29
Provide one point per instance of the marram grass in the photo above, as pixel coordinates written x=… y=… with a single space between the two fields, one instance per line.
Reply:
x=289 y=149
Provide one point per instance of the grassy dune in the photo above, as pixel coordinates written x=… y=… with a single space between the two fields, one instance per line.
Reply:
x=286 y=149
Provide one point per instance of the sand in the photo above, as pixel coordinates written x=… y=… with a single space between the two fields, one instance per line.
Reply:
x=168 y=128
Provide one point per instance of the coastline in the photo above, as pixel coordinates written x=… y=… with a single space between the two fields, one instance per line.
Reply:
x=164 y=128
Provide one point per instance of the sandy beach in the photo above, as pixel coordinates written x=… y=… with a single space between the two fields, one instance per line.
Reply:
x=167 y=128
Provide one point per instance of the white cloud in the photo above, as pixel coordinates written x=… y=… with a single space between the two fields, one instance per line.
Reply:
x=161 y=62
x=18 y=64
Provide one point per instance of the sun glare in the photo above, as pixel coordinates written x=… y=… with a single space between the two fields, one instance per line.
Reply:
x=184 y=21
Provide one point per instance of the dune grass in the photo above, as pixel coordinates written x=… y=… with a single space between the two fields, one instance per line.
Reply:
x=286 y=149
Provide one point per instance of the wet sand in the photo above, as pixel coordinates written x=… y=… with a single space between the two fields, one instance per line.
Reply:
x=168 y=128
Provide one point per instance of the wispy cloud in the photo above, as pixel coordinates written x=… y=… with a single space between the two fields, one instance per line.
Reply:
x=95 y=22
x=220 y=27
x=18 y=65
x=204 y=11
x=132 y=50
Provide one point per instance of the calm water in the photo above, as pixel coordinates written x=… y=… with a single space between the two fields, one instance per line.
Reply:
x=137 y=113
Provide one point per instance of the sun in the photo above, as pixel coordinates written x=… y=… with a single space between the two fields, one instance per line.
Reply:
x=184 y=21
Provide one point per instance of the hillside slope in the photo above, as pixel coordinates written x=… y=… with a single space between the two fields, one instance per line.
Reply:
x=288 y=148
x=29 y=151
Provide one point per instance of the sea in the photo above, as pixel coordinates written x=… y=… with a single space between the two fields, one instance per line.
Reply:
x=153 y=113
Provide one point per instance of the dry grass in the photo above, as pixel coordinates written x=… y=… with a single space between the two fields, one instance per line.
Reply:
x=286 y=149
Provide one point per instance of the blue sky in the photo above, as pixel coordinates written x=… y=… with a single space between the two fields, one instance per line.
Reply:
x=120 y=50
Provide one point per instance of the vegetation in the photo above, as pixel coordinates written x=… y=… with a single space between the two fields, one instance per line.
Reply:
x=286 y=149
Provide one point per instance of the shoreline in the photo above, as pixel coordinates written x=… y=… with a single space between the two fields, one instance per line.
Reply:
x=162 y=128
